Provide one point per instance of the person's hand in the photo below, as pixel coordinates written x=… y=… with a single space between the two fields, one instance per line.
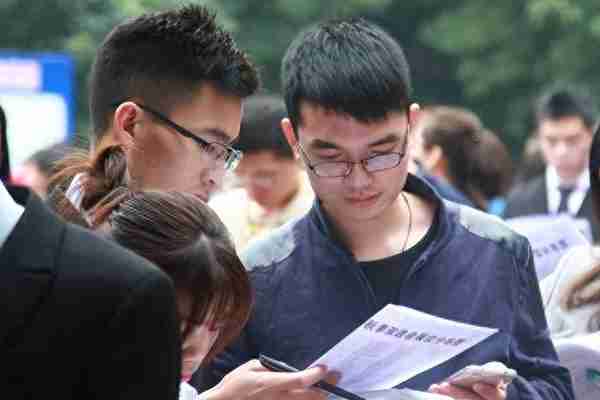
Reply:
x=251 y=381
x=481 y=391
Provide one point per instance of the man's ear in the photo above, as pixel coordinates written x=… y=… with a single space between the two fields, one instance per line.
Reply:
x=290 y=135
x=124 y=120
x=414 y=112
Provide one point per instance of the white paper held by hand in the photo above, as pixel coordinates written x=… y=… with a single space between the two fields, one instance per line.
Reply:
x=396 y=344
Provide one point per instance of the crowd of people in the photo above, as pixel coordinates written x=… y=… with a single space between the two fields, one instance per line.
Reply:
x=209 y=222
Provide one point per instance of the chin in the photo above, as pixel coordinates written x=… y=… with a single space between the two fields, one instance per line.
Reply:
x=364 y=213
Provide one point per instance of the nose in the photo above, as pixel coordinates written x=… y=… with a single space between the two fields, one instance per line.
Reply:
x=213 y=178
x=562 y=149
x=359 y=178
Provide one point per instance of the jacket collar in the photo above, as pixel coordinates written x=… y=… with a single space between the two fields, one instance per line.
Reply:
x=27 y=266
x=414 y=185
x=10 y=215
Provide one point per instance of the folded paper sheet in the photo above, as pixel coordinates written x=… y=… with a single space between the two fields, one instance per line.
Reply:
x=550 y=237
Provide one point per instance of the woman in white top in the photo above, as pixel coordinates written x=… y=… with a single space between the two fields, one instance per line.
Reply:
x=571 y=294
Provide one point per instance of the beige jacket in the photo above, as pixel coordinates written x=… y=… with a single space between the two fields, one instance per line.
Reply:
x=580 y=321
x=247 y=221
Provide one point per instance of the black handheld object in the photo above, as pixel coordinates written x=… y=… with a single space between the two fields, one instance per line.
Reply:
x=4 y=158
x=279 y=366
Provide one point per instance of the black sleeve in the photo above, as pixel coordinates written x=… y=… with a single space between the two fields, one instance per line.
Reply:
x=142 y=348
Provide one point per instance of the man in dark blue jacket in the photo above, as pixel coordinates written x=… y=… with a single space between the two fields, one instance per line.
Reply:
x=377 y=235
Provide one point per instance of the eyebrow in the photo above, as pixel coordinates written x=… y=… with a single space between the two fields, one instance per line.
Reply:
x=219 y=134
x=390 y=138
x=322 y=144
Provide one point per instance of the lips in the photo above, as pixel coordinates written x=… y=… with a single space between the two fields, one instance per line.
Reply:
x=362 y=199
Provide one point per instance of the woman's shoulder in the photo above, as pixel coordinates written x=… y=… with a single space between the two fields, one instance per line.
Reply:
x=576 y=261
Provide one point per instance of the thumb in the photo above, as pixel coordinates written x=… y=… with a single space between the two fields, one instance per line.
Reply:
x=298 y=380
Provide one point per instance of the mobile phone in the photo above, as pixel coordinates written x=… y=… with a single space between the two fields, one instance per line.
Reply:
x=279 y=366
x=493 y=373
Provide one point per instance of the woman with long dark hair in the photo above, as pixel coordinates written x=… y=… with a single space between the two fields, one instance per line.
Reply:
x=185 y=238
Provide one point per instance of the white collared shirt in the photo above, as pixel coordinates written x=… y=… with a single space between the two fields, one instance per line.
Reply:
x=10 y=213
x=582 y=185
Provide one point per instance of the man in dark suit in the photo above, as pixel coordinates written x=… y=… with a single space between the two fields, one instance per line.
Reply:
x=80 y=317
x=564 y=127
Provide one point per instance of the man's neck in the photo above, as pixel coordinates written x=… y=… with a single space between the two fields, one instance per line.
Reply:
x=396 y=229
x=568 y=180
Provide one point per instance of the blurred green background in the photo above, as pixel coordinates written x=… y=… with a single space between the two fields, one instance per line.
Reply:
x=491 y=56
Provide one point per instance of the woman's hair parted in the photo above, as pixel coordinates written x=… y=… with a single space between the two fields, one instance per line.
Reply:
x=187 y=240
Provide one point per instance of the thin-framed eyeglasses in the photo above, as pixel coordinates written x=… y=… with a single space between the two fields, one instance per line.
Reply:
x=219 y=153
x=342 y=169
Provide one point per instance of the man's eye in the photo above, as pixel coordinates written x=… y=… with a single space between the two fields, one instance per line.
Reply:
x=328 y=155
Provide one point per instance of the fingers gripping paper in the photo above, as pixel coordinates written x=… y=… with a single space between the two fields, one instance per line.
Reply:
x=396 y=344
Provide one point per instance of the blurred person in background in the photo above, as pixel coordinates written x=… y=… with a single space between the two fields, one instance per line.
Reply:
x=571 y=297
x=36 y=171
x=565 y=119
x=274 y=187
x=572 y=292
x=446 y=139
x=491 y=174
x=532 y=162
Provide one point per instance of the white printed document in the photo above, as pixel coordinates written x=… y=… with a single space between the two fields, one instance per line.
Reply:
x=550 y=237
x=581 y=355
x=396 y=344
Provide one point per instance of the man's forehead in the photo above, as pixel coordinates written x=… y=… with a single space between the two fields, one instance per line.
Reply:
x=327 y=126
x=565 y=126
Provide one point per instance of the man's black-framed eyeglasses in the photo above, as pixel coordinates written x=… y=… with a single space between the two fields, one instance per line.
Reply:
x=342 y=169
x=218 y=152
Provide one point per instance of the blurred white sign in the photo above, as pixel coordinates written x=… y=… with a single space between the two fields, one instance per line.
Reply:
x=20 y=74
x=35 y=121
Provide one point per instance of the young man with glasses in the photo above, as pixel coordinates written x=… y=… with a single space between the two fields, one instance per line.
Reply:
x=168 y=87
x=378 y=235
x=274 y=187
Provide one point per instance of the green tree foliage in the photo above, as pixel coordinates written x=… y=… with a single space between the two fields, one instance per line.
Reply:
x=492 y=57
x=509 y=51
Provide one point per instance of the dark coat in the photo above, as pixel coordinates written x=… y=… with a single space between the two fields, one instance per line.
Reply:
x=531 y=198
x=81 y=318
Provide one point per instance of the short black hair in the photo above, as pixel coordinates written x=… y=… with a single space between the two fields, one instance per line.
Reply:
x=4 y=158
x=261 y=127
x=349 y=66
x=566 y=101
x=161 y=58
